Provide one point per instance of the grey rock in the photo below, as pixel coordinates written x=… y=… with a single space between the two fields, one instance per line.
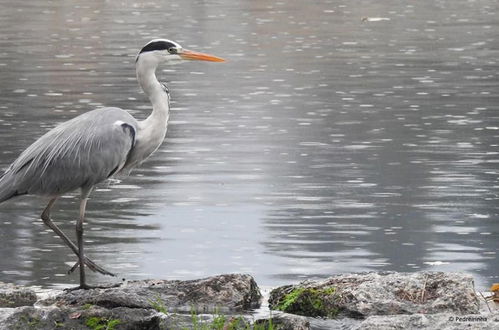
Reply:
x=151 y=304
x=119 y=318
x=389 y=293
x=333 y=324
x=223 y=293
x=183 y=321
x=16 y=296
x=206 y=321
x=441 y=321
x=52 y=317
x=285 y=321
x=6 y=313
x=425 y=300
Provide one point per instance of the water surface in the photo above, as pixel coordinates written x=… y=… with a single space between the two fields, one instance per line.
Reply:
x=326 y=144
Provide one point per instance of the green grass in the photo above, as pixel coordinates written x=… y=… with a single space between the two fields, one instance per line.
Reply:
x=219 y=321
x=99 y=323
x=58 y=324
x=31 y=322
x=159 y=305
x=226 y=322
x=265 y=325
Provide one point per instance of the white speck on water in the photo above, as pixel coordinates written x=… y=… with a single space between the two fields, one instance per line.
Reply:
x=124 y=200
x=480 y=216
x=125 y=186
x=375 y=19
x=436 y=263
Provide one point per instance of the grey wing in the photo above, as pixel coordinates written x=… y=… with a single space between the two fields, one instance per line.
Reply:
x=76 y=154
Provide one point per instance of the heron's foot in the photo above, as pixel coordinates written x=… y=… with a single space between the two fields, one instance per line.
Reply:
x=92 y=266
x=88 y=287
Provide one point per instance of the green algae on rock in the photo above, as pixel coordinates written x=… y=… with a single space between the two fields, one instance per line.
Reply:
x=309 y=302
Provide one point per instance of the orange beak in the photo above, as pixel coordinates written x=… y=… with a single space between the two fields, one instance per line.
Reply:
x=195 y=56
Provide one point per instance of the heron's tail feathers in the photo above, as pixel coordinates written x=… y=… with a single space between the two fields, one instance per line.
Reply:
x=7 y=190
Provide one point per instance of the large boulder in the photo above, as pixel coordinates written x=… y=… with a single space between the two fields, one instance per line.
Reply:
x=94 y=317
x=151 y=304
x=223 y=293
x=388 y=293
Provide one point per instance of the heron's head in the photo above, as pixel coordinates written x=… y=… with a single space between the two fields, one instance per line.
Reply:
x=162 y=50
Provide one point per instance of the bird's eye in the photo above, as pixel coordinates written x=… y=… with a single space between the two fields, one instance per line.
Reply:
x=172 y=50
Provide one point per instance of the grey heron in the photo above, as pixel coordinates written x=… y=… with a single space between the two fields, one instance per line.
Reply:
x=94 y=146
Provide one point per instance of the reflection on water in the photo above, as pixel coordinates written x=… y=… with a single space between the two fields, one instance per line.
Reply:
x=327 y=143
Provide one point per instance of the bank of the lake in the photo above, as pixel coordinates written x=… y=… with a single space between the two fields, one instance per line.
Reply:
x=374 y=300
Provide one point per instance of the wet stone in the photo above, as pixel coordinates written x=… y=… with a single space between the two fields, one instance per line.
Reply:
x=388 y=293
x=94 y=317
x=224 y=293
x=284 y=321
x=147 y=304
x=386 y=300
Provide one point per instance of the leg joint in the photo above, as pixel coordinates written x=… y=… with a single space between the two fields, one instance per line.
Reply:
x=46 y=212
x=45 y=216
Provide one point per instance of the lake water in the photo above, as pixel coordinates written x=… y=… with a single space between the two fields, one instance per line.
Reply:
x=326 y=144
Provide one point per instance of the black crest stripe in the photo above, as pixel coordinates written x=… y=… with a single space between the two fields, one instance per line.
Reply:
x=157 y=45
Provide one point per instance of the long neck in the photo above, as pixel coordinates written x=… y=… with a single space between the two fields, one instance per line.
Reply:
x=151 y=131
x=152 y=87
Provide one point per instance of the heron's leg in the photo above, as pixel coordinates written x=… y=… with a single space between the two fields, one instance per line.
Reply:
x=48 y=222
x=79 y=239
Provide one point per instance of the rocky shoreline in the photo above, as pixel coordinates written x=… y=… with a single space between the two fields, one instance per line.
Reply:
x=388 y=300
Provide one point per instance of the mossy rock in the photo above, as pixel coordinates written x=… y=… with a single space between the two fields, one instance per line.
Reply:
x=306 y=301
x=100 y=323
